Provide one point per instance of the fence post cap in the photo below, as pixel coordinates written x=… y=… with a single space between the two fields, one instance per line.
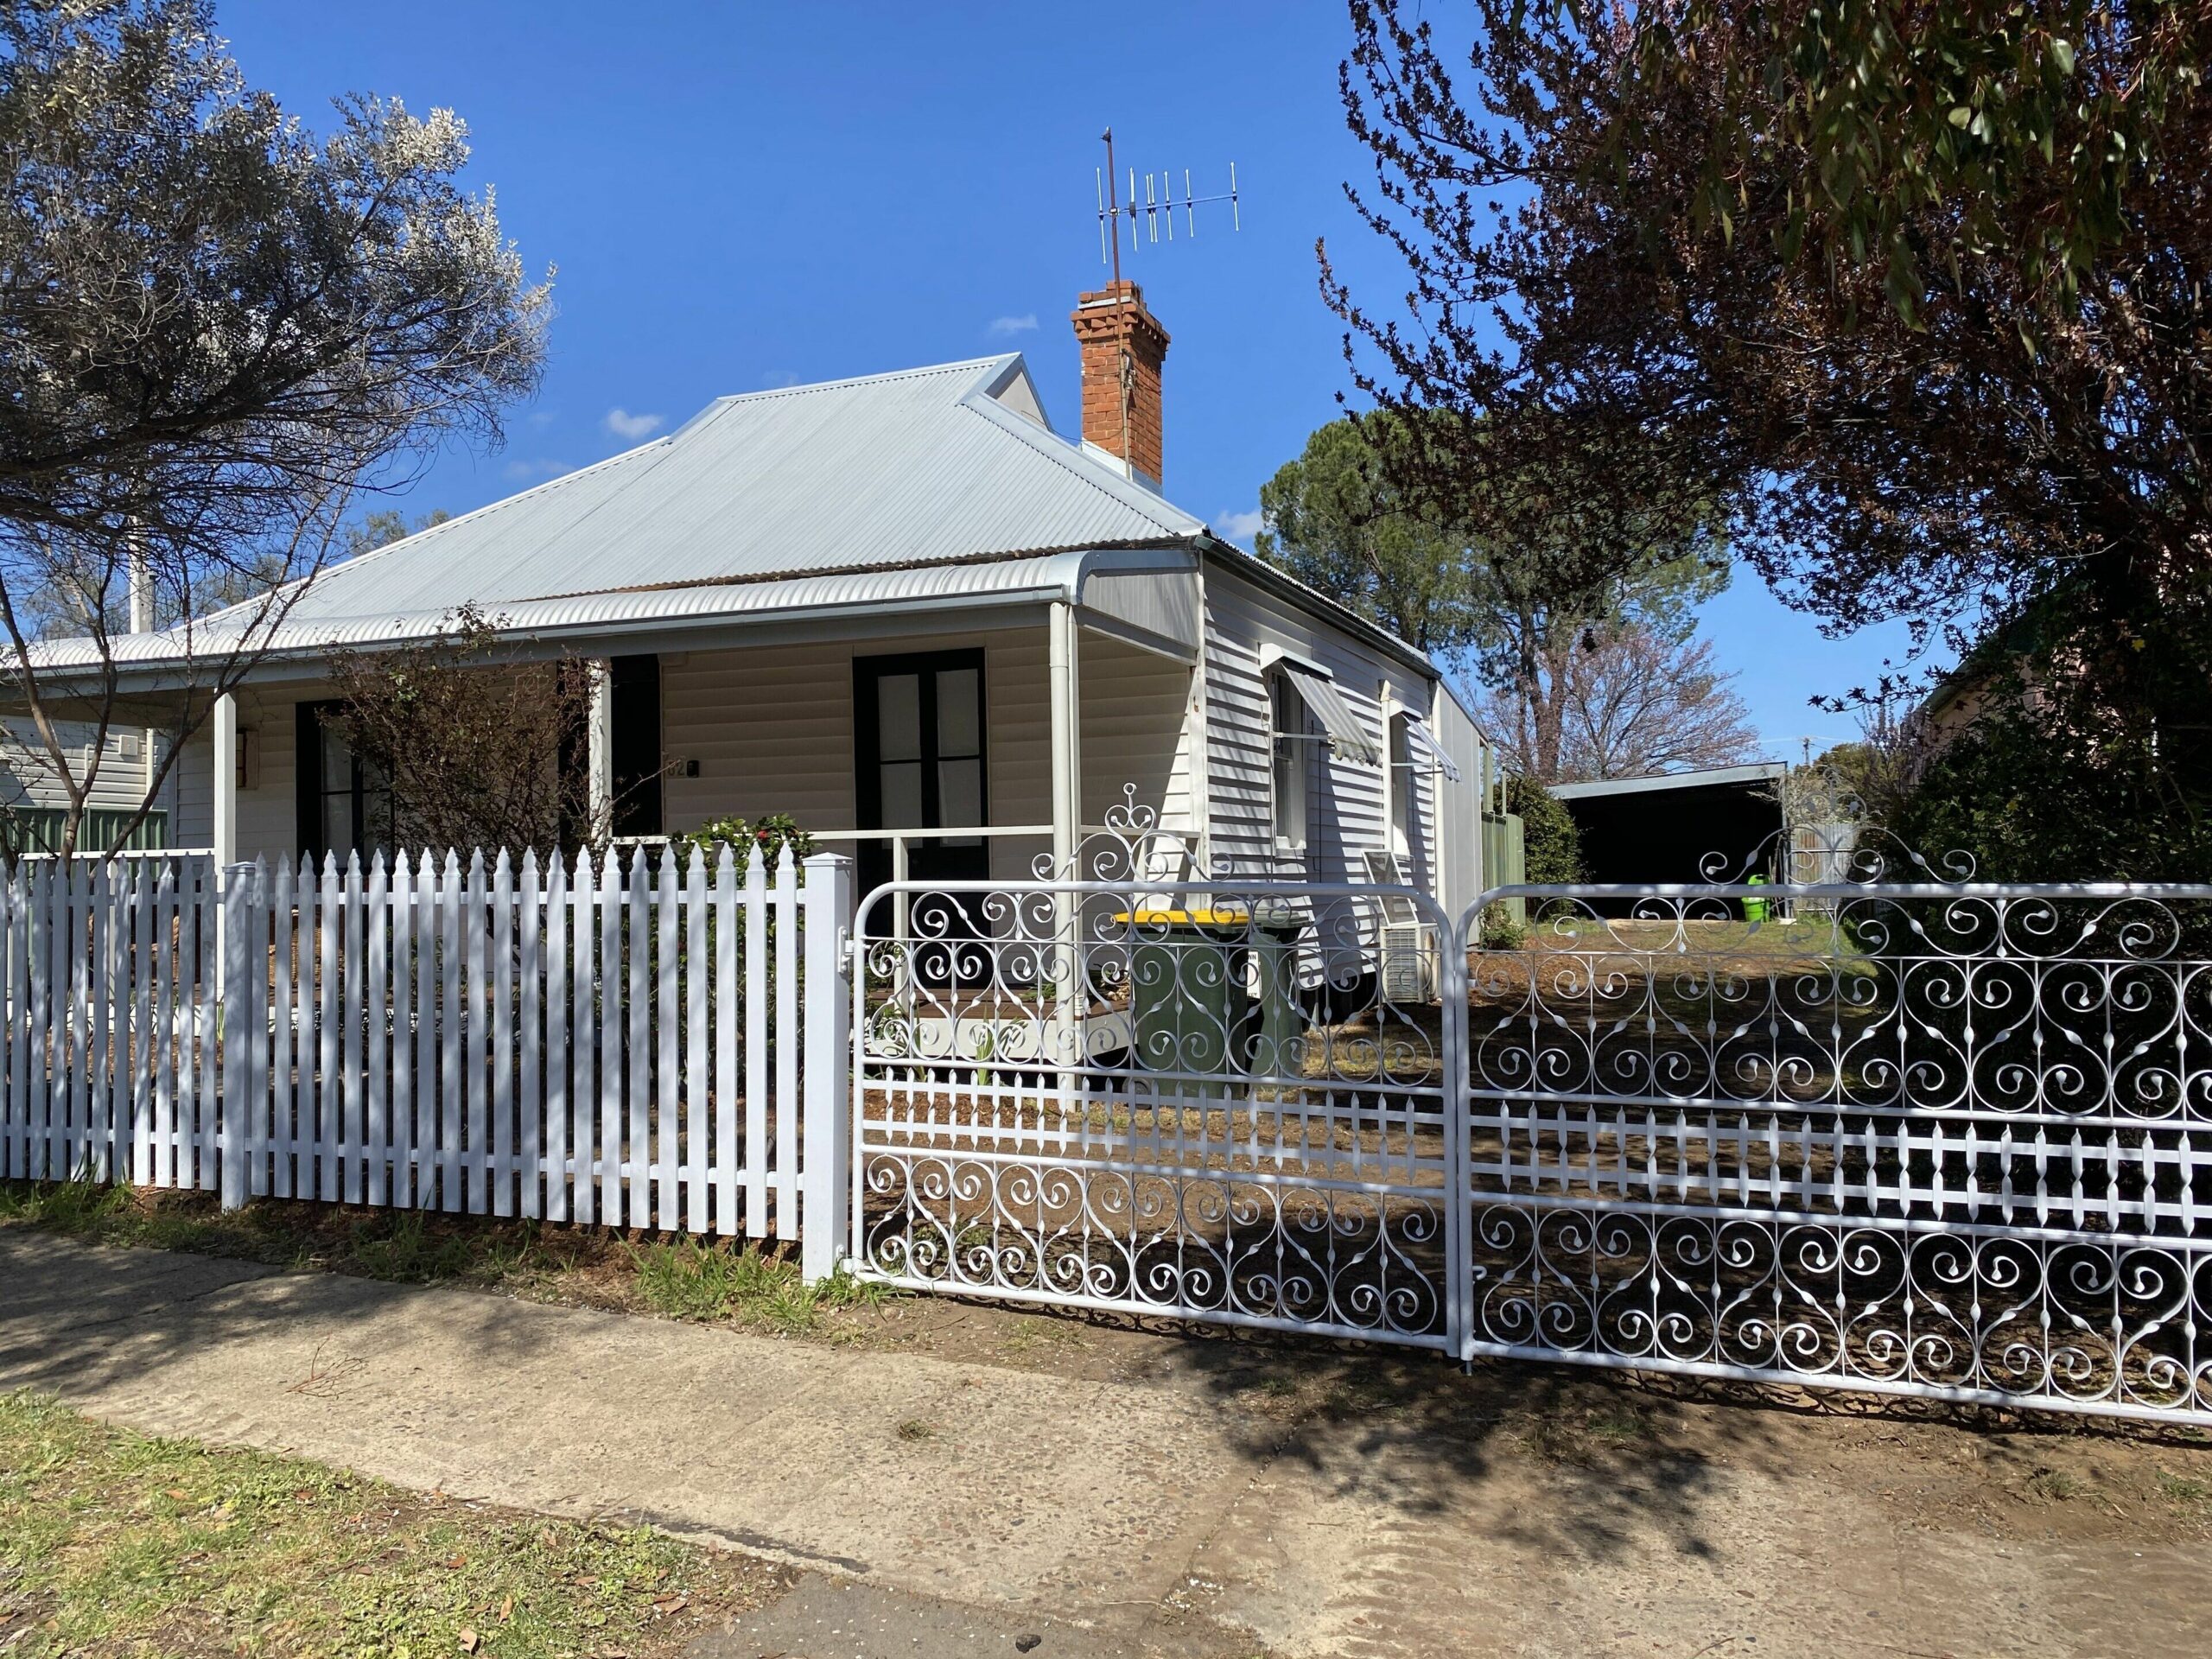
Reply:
x=826 y=861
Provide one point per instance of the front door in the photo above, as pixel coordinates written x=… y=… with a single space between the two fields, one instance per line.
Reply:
x=918 y=740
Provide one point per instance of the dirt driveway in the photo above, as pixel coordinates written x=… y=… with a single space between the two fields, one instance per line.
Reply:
x=1124 y=1491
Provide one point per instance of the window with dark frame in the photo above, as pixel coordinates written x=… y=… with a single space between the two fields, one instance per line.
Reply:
x=345 y=804
x=1291 y=742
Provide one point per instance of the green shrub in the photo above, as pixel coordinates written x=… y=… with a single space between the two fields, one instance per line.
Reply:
x=2030 y=805
x=1552 y=844
x=1500 y=929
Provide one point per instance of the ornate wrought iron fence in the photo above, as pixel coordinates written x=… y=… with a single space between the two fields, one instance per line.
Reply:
x=1941 y=1138
x=1938 y=1138
x=1133 y=1085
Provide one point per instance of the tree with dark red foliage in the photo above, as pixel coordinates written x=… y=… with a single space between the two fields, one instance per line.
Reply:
x=1918 y=291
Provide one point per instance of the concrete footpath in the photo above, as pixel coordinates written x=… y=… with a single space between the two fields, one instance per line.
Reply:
x=959 y=1507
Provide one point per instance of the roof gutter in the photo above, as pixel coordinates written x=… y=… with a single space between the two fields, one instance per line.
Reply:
x=1061 y=577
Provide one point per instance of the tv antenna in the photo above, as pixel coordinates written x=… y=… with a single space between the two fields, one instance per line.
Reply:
x=1153 y=219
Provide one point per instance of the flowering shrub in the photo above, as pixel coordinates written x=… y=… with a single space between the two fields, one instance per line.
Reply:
x=774 y=835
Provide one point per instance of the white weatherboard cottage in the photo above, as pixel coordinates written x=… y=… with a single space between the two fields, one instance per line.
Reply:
x=906 y=611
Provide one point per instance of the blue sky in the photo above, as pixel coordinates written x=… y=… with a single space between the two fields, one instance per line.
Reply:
x=741 y=196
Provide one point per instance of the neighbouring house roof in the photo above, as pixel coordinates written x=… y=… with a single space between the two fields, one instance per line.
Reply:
x=893 y=490
x=1760 y=772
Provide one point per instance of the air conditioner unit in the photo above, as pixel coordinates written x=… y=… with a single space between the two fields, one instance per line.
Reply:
x=1409 y=962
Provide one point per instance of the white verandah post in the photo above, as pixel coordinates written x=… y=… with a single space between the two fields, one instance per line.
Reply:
x=223 y=740
x=600 y=747
x=1067 y=821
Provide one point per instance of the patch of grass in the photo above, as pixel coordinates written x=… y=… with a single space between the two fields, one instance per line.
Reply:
x=1281 y=1398
x=405 y=1250
x=114 y=1543
x=2185 y=1492
x=1030 y=1334
x=685 y=1278
x=84 y=1209
x=2057 y=1485
x=1590 y=1433
x=1619 y=1421
x=679 y=1278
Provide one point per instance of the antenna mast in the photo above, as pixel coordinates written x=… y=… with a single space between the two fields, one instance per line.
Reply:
x=1158 y=210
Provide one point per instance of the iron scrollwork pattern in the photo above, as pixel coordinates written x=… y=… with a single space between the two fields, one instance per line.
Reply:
x=1881 y=1132
x=1136 y=1084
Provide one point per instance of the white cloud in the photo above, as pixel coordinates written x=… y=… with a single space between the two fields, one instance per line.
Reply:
x=635 y=428
x=529 y=472
x=542 y=418
x=1239 y=526
x=1001 y=327
x=777 y=379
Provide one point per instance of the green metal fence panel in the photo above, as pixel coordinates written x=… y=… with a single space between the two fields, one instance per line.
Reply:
x=38 y=829
x=1505 y=857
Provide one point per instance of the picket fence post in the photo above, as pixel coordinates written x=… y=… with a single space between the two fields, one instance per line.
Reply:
x=824 y=1161
x=234 y=1010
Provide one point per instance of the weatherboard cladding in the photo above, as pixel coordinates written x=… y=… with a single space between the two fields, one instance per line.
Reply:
x=1347 y=800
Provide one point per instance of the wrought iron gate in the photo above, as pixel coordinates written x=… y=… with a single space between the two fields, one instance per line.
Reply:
x=1132 y=1086
x=1946 y=1138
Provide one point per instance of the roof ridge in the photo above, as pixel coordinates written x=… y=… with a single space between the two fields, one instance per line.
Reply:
x=967 y=364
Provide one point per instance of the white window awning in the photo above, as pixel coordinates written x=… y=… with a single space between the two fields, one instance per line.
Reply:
x=1428 y=754
x=1348 y=739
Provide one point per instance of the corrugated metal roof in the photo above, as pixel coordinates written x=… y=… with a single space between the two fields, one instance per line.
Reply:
x=1759 y=771
x=927 y=467
x=798 y=498
x=920 y=468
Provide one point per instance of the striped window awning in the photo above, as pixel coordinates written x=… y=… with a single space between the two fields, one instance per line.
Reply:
x=1428 y=754
x=1348 y=739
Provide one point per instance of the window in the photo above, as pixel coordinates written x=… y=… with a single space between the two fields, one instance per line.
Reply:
x=926 y=735
x=345 y=805
x=1405 y=782
x=633 y=718
x=1293 y=746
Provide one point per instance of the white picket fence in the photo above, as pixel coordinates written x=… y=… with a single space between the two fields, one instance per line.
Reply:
x=620 y=1040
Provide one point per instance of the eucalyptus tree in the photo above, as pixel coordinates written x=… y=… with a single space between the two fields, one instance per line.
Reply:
x=216 y=331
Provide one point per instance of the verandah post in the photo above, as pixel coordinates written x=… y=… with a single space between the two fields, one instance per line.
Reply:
x=234 y=1011
x=825 y=1155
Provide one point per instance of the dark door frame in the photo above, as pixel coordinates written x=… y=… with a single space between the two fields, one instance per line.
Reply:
x=928 y=859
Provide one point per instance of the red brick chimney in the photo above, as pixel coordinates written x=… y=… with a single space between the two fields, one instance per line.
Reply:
x=1123 y=347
